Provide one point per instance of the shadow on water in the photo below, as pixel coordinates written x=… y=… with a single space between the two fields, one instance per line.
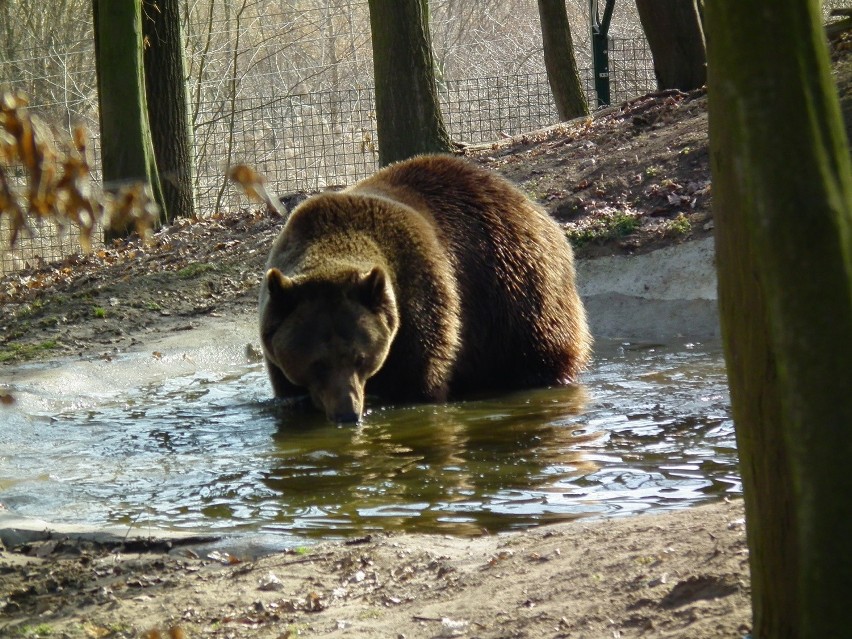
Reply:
x=650 y=429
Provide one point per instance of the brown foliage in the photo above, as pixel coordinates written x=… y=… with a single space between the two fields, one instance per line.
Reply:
x=58 y=180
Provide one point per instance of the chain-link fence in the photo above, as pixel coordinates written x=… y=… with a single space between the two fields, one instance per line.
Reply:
x=302 y=140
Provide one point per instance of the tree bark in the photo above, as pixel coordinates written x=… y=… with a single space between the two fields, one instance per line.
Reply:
x=562 y=73
x=676 y=36
x=127 y=153
x=408 y=114
x=782 y=199
x=165 y=84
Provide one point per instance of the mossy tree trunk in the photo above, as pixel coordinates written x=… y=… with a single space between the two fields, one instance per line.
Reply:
x=127 y=153
x=562 y=73
x=676 y=36
x=165 y=82
x=782 y=199
x=408 y=114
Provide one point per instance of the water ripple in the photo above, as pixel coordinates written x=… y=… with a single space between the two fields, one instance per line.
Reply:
x=649 y=429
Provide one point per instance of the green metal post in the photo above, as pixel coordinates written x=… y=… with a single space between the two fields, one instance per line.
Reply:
x=600 y=49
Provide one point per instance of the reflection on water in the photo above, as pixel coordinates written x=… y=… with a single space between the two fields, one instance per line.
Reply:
x=650 y=428
x=462 y=467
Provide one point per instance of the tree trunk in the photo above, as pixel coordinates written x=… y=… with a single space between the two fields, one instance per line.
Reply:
x=127 y=153
x=7 y=38
x=676 y=37
x=782 y=199
x=165 y=83
x=562 y=73
x=408 y=115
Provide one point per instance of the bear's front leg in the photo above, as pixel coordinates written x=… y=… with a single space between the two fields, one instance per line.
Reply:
x=281 y=386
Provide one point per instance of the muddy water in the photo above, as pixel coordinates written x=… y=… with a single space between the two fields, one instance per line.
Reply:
x=649 y=429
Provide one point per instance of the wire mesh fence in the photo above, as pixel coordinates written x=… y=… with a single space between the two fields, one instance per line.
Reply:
x=302 y=142
x=631 y=69
x=483 y=109
x=46 y=243
x=310 y=140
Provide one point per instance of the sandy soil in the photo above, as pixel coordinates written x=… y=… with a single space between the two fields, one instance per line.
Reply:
x=630 y=179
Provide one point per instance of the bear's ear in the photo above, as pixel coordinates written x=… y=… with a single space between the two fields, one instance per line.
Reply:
x=280 y=286
x=372 y=288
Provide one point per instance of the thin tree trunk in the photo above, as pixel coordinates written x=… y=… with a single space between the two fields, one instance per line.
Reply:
x=676 y=37
x=562 y=73
x=127 y=153
x=233 y=87
x=165 y=82
x=782 y=198
x=408 y=114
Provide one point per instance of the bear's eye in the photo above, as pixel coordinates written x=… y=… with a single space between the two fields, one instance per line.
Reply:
x=359 y=361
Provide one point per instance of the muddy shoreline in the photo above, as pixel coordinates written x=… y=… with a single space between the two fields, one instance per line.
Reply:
x=676 y=574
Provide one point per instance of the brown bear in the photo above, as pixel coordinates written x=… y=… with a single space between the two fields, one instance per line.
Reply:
x=431 y=279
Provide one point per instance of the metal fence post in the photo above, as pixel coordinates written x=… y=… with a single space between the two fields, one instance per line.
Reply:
x=600 y=49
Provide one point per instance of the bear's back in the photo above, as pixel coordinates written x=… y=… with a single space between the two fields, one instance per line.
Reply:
x=522 y=321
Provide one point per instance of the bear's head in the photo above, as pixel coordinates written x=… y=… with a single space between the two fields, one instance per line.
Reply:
x=330 y=335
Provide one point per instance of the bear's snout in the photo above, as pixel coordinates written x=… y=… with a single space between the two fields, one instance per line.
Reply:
x=342 y=403
x=346 y=411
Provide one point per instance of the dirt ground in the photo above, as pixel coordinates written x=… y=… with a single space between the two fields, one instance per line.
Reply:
x=679 y=574
x=629 y=179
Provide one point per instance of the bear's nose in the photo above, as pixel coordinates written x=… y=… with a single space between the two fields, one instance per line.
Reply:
x=345 y=417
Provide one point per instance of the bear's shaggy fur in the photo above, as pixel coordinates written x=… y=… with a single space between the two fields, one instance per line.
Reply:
x=431 y=279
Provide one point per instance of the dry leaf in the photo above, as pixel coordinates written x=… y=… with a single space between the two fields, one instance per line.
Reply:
x=253 y=184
